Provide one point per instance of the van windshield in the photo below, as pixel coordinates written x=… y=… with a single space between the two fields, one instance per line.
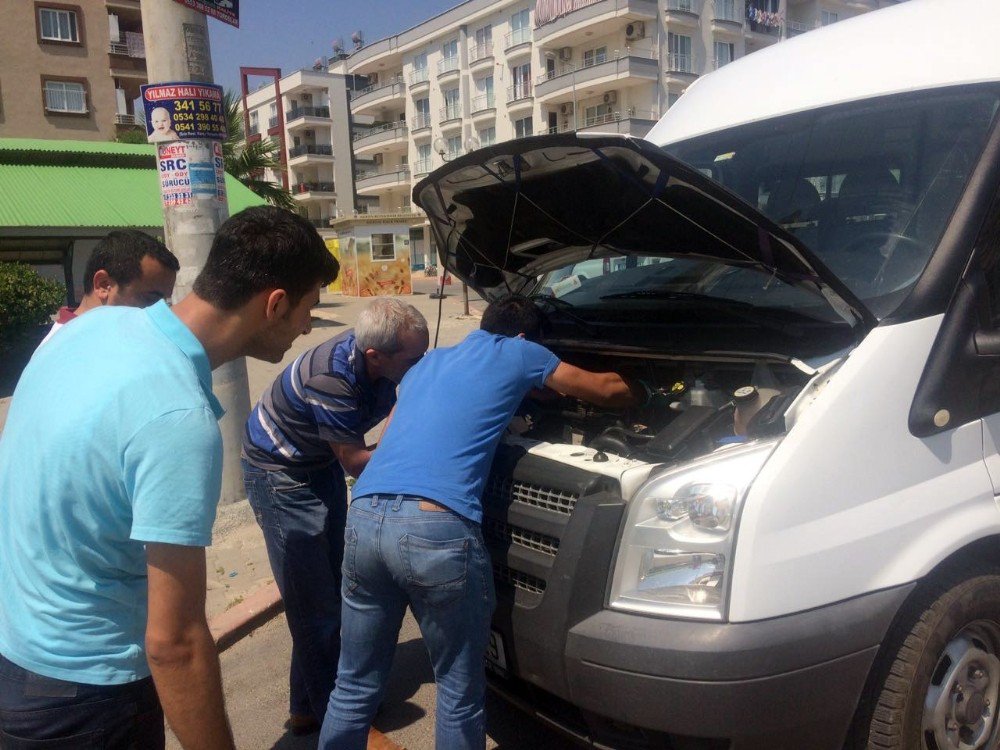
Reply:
x=868 y=186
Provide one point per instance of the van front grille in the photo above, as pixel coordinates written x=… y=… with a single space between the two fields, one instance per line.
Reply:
x=506 y=534
x=500 y=491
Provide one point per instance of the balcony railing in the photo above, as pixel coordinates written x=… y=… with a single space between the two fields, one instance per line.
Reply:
x=481 y=52
x=603 y=119
x=296 y=112
x=595 y=60
x=519 y=91
x=319 y=149
x=719 y=62
x=273 y=122
x=136 y=51
x=419 y=75
x=448 y=64
x=254 y=128
x=421 y=121
x=516 y=37
x=483 y=102
x=422 y=166
x=403 y=170
x=125 y=119
x=794 y=28
x=725 y=10
x=382 y=128
x=389 y=83
x=686 y=6
x=678 y=63
x=451 y=112
x=314 y=187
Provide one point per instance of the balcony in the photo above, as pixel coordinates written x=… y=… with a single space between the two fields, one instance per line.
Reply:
x=127 y=58
x=448 y=66
x=450 y=112
x=683 y=12
x=419 y=76
x=296 y=112
x=386 y=178
x=306 y=191
x=321 y=151
x=376 y=96
x=422 y=166
x=272 y=122
x=379 y=137
x=625 y=68
x=677 y=62
x=762 y=22
x=480 y=54
x=483 y=103
x=421 y=121
x=794 y=28
x=627 y=121
x=137 y=51
x=516 y=38
x=519 y=92
x=597 y=19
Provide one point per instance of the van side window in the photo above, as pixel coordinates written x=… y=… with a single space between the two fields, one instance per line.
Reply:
x=988 y=253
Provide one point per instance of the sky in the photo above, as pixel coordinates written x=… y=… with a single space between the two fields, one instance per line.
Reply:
x=291 y=34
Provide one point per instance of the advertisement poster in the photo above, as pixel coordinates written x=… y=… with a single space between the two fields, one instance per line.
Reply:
x=175 y=178
x=384 y=277
x=183 y=111
x=227 y=11
x=349 y=268
x=333 y=245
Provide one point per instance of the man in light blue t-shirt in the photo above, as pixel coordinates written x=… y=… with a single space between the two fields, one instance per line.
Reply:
x=110 y=468
x=416 y=514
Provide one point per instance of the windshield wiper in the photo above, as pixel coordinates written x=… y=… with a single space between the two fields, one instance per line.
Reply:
x=671 y=294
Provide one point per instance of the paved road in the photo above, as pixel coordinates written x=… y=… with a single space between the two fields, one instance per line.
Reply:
x=255 y=675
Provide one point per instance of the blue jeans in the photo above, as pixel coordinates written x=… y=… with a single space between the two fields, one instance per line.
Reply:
x=302 y=515
x=434 y=561
x=42 y=712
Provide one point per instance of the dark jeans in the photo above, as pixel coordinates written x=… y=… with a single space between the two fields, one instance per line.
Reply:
x=436 y=563
x=41 y=712
x=302 y=515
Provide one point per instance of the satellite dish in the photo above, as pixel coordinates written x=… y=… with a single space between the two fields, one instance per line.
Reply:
x=318 y=63
x=338 y=46
x=357 y=38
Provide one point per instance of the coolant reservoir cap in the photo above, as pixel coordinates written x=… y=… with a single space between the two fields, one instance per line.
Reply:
x=744 y=394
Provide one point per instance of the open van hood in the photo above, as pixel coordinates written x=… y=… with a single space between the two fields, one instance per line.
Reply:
x=502 y=215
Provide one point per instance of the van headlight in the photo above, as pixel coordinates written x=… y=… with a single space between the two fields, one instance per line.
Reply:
x=676 y=551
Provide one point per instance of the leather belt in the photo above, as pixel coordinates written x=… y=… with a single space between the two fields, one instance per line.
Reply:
x=431 y=505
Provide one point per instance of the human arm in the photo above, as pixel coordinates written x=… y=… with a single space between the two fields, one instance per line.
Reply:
x=600 y=388
x=353 y=457
x=180 y=649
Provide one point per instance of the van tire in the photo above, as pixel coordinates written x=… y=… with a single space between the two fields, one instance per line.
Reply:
x=958 y=606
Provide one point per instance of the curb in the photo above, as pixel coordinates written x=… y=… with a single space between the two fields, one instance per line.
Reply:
x=231 y=626
x=260 y=607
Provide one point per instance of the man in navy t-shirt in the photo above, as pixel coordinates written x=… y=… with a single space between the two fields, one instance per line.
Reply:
x=413 y=530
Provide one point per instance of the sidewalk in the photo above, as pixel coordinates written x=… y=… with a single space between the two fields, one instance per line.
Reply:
x=237 y=560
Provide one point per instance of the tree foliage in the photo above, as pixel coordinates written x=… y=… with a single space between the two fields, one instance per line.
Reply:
x=26 y=301
x=246 y=160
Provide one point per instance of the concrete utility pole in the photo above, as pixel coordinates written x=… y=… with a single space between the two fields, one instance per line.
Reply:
x=177 y=50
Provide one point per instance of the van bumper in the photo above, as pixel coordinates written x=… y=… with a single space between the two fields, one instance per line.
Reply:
x=788 y=682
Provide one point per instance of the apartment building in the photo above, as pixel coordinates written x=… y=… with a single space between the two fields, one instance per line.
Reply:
x=307 y=113
x=488 y=71
x=70 y=71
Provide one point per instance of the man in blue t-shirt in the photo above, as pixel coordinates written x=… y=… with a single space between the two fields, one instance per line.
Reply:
x=110 y=472
x=413 y=529
x=306 y=431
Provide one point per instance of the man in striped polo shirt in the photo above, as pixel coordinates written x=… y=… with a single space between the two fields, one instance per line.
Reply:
x=306 y=432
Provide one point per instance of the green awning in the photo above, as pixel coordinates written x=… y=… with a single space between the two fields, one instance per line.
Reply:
x=86 y=184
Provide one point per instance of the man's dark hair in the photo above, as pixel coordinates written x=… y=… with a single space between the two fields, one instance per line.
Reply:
x=513 y=315
x=120 y=254
x=264 y=247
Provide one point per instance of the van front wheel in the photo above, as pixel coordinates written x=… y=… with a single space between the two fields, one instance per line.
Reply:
x=939 y=684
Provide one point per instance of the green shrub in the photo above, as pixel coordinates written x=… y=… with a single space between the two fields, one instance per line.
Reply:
x=26 y=301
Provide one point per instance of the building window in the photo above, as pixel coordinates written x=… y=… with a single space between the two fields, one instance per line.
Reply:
x=724 y=53
x=595 y=56
x=522 y=127
x=254 y=122
x=487 y=136
x=679 y=52
x=383 y=247
x=450 y=49
x=58 y=24
x=67 y=97
x=827 y=17
x=454 y=147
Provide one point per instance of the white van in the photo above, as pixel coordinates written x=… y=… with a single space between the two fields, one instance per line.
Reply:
x=796 y=543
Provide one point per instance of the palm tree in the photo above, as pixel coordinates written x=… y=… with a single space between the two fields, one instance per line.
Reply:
x=247 y=160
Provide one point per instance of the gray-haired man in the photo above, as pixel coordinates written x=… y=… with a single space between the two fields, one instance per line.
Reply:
x=306 y=431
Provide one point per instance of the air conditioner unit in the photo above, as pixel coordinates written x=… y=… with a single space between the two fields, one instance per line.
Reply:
x=566 y=109
x=565 y=54
x=611 y=97
x=307 y=97
x=635 y=30
x=377 y=159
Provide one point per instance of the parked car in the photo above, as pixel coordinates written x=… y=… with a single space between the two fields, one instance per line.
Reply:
x=796 y=543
